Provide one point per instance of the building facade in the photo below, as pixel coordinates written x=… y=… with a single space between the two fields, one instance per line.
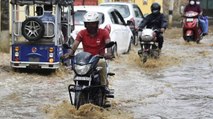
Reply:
x=207 y=6
x=143 y=4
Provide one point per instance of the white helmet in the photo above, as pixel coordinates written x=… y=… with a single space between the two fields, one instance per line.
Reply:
x=91 y=17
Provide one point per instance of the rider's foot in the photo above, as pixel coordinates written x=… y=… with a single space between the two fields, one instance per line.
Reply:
x=204 y=34
x=107 y=90
x=107 y=104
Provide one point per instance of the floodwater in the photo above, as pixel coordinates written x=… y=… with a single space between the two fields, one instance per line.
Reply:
x=178 y=85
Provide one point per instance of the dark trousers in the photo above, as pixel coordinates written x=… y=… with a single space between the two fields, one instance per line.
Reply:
x=160 y=40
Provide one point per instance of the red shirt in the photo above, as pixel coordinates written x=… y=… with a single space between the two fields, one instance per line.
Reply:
x=93 y=44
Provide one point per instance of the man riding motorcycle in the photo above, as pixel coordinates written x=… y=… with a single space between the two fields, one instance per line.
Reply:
x=155 y=20
x=93 y=40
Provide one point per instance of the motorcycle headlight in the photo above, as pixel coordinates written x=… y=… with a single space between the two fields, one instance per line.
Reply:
x=146 y=38
x=82 y=69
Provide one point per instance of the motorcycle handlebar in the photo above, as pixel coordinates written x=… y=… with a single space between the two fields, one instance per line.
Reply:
x=190 y=16
x=155 y=30
x=108 y=45
x=64 y=57
x=108 y=57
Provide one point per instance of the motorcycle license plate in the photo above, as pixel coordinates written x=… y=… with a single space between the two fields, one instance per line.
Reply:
x=189 y=19
x=82 y=78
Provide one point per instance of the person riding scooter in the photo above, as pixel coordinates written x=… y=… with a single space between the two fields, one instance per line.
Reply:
x=155 y=20
x=194 y=5
x=93 y=40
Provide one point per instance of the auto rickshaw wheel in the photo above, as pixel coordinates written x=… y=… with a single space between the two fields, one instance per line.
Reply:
x=32 y=29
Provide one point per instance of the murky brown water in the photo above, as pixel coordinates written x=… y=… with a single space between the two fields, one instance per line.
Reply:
x=178 y=85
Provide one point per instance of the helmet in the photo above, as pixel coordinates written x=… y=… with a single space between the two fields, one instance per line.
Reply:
x=198 y=2
x=155 y=8
x=192 y=2
x=91 y=17
x=91 y=22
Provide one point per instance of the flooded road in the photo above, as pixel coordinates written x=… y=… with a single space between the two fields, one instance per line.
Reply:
x=179 y=85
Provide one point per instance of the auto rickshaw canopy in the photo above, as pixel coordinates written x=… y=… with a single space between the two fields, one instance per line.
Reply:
x=43 y=2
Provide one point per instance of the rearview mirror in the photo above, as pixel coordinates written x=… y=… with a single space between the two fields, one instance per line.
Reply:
x=129 y=22
x=110 y=44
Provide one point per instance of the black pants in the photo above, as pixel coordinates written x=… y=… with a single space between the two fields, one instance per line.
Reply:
x=160 y=40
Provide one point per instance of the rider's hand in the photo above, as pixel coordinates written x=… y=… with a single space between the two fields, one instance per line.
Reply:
x=65 y=56
x=162 y=30
x=140 y=29
x=108 y=56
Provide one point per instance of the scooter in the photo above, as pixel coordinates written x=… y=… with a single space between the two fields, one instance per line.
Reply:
x=148 y=44
x=87 y=86
x=191 y=28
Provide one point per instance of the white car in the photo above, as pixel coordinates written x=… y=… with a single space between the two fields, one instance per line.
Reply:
x=130 y=12
x=111 y=20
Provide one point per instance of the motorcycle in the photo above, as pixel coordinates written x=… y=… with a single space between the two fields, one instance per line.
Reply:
x=191 y=28
x=148 y=44
x=87 y=86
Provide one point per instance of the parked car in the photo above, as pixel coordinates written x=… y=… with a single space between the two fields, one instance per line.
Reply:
x=111 y=20
x=130 y=12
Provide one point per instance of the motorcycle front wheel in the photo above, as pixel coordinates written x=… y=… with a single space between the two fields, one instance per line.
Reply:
x=80 y=99
x=99 y=97
x=189 y=38
x=145 y=56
